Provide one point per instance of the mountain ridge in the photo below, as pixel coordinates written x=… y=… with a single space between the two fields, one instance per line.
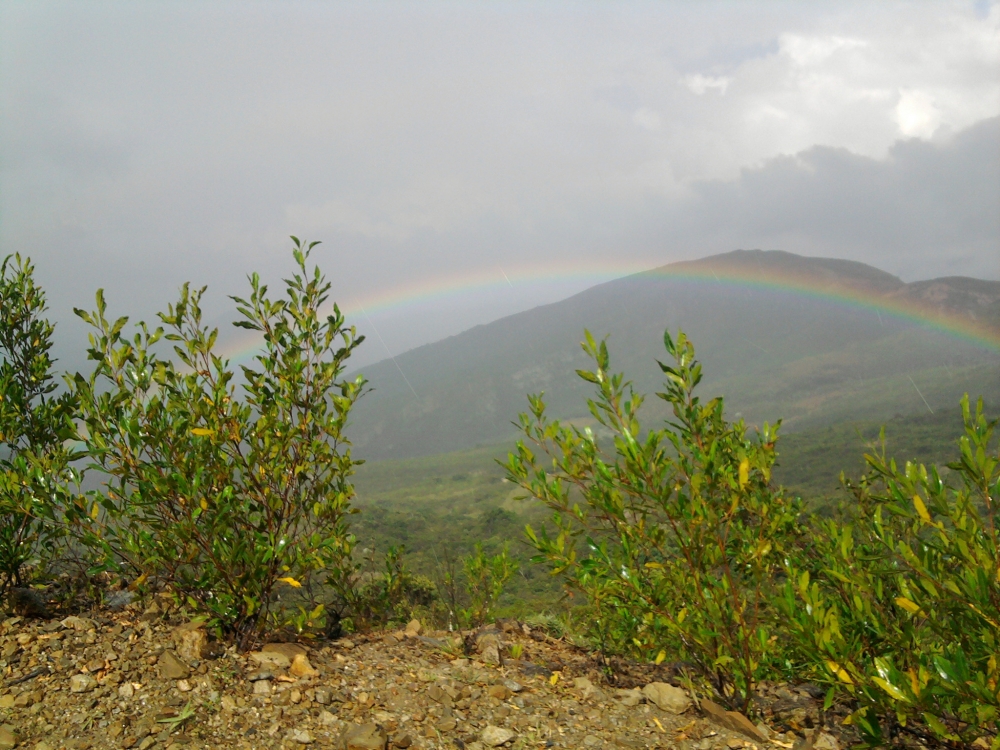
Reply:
x=775 y=339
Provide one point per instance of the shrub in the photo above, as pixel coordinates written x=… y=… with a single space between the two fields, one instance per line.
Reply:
x=674 y=535
x=34 y=425
x=485 y=579
x=226 y=499
x=898 y=604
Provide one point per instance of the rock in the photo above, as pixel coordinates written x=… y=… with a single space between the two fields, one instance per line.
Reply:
x=629 y=698
x=290 y=650
x=118 y=600
x=488 y=648
x=172 y=668
x=81 y=683
x=731 y=720
x=495 y=736
x=514 y=687
x=262 y=687
x=301 y=667
x=184 y=686
x=587 y=689
x=7 y=738
x=401 y=740
x=500 y=692
x=301 y=736
x=413 y=629
x=667 y=697
x=271 y=659
x=126 y=691
x=192 y=643
x=79 y=624
x=826 y=741
x=591 y=741
x=328 y=719
x=364 y=737
x=346 y=644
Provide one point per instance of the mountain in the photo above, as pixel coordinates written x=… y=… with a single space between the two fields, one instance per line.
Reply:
x=813 y=341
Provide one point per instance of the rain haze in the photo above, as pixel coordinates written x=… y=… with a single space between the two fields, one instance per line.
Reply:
x=462 y=162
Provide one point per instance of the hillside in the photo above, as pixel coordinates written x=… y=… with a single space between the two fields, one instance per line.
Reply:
x=811 y=340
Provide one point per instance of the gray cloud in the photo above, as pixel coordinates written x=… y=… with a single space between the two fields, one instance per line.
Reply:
x=146 y=144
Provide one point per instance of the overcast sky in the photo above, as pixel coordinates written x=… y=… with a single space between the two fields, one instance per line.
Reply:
x=143 y=144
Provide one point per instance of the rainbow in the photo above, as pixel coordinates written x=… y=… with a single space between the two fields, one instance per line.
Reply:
x=716 y=270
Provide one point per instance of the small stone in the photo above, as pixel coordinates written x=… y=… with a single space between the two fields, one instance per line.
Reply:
x=734 y=744
x=731 y=720
x=346 y=644
x=500 y=692
x=514 y=687
x=323 y=696
x=126 y=691
x=591 y=741
x=587 y=689
x=81 y=683
x=629 y=698
x=413 y=629
x=402 y=740
x=827 y=741
x=271 y=659
x=302 y=736
x=79 y=624
x=364 y=737
x=227 y=703
x=192 y=644
x=262 y=687
x=147 y=743
x=7 y=701
x=172 y=668
x=667 y=697
x=264 y=674
x=184 y=686
x=328 y=719
x=7 y=738
x=493 y=736
x=301 y=667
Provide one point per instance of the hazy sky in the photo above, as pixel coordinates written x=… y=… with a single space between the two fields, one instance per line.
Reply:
x=436 y=147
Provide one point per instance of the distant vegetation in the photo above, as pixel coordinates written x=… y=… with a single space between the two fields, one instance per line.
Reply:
x=679 y=533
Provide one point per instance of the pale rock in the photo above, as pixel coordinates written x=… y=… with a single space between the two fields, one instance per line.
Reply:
x=301 y=667
x=826 y=741
x=79 y=624
x=364 y=737
x=184 y=686
x=732 y=720
x=192 y=644
x=629 y=698
x=301 y=736
x=328 y=719
x=413 y=629
x=172 y=668
x=8 y=739
x=493 y=736
x=291 y=650
x=81 y=683
x=262 y=687
x=667 y=697
x=126 y=691
x=227 y=703
x=587 y=689
x=271 y=659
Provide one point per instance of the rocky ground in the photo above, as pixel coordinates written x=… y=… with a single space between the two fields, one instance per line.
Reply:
x=143 y=678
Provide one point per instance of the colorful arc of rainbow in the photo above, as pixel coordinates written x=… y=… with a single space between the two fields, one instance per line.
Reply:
x=410 y=295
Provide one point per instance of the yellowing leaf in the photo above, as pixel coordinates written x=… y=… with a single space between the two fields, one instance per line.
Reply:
x=891 y=689
x=744 y=472
x=204 y=504
x=291 y=582
x=660 y=657
x=914 y=682
x=921 y=509
x=202 y=432
x=554 y=678
x=840 y=672
x=94 y=511
x=910 y=606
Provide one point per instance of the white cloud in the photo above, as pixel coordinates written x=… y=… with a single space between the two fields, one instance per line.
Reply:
x=916 y=114
x=699 y=83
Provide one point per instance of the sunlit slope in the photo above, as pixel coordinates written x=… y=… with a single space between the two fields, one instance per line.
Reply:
x=813 y=341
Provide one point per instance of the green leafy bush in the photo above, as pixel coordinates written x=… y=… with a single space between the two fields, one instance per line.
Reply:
x=675 y=535
x=226 y=499
x=34 y=427
x=898 y=604
x=485 y=579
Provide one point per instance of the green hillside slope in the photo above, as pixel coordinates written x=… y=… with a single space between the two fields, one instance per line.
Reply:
x=773 y=347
